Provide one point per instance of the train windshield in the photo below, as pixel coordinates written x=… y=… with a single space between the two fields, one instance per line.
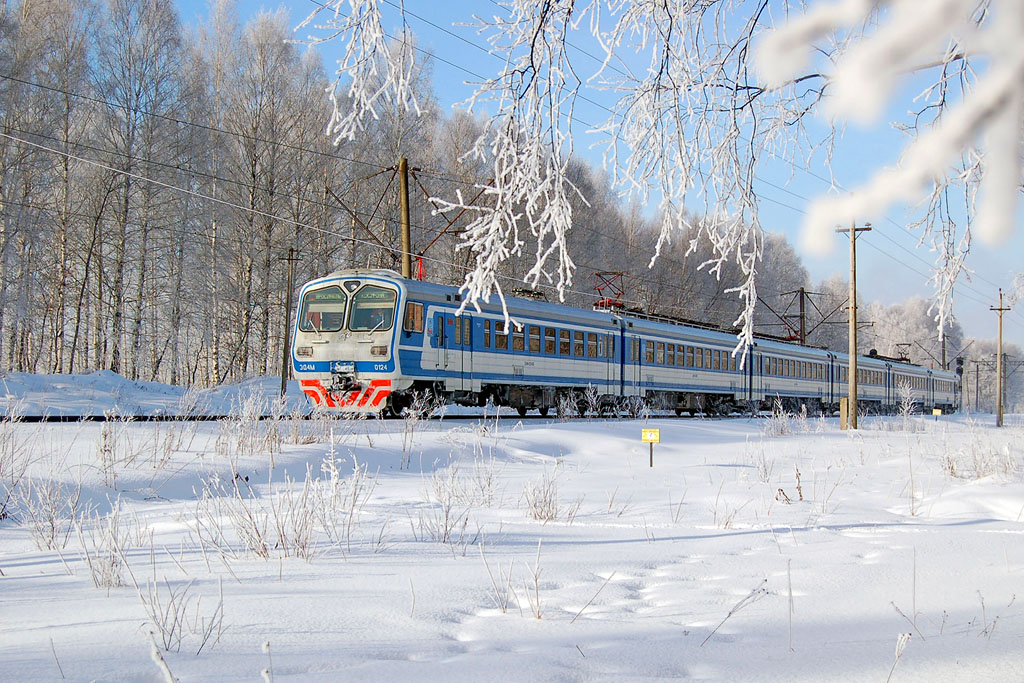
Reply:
x=323 y=310
x=373 y=309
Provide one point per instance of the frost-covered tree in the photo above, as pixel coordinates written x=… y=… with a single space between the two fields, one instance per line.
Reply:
x=700 y=92
x=909 y=327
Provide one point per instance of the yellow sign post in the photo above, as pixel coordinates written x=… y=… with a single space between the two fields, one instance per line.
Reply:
x=651 y=436
x=937 y=412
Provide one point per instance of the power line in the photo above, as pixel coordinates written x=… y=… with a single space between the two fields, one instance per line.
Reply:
x=885 y=236
x=237 y=134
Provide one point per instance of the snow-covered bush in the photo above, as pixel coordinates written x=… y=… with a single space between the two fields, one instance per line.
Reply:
x=49 y=508
x=541 y=497
x=104 y=540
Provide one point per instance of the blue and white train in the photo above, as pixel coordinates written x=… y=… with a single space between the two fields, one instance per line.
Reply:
x=370 y=340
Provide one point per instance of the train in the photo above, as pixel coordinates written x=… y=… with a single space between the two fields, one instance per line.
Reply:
x=371 y=341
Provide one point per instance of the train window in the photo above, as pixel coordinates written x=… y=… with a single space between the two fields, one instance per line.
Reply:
x=634 y=349
x=732 y=362
x=518 y=339
x=699 y=357
x=564 y=345
x=323 y=310
x=373 y=309
x=680 y=355
x=487 y=334
x=413 y=317
x=660 y=359
x=670 y=354
x=610 y=346
x=649 y=352
x=591 y=345
x=689 y=357
x=577 y=344
x=717 y=359
x=466 y=327
x=534 y=339
x=458 y=331
x=500 y=336
x=549 y=340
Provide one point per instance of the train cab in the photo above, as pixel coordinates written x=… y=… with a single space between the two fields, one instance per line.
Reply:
x=345 y=332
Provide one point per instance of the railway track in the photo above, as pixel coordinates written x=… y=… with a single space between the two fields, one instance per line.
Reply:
x=459 y=417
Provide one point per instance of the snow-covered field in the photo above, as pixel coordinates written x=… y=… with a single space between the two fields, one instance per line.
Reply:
x=475 y=550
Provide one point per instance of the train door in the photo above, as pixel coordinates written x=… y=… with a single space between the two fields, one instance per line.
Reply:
x=452 y=338
x=607 y=346
x=890 y=394
x=634 y=353
x=440 y=340
x=751 y=369
x=465 y=350
x=620 y=359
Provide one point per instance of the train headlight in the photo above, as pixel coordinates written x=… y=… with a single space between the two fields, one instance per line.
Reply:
x=378 y=350
x=304 y=351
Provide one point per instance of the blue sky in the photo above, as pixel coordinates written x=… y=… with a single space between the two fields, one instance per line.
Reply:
x=890 y=266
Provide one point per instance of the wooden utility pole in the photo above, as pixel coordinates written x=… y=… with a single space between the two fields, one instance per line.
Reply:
x=999 y=361
x=403 y=196
x=852 y=410
x=286 y=352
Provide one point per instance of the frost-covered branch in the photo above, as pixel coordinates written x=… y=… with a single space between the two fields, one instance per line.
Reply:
x=380 y=72
x=966 y=135
x=527 y=142
x=691 y=122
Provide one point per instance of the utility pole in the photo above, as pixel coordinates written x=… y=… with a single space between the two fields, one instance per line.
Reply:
x=999 y=360
x=286 y=351
x=403 y=196
x=852 y=407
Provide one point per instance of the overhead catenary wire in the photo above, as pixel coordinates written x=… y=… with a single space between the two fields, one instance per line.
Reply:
x=427 y=172
x=291 y=221
x=913 y=253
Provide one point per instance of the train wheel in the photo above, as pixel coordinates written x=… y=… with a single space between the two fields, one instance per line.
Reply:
x=521 y=410
x=543 y=411
x=396 y=407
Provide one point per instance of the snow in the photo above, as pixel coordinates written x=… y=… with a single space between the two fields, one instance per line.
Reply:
x=102 y=392
x=903 y=527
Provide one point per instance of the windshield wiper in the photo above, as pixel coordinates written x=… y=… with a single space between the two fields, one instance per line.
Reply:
x=376 y=327
x=319 y=335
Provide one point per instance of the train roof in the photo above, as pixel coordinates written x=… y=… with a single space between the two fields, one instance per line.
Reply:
x=635 y=320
